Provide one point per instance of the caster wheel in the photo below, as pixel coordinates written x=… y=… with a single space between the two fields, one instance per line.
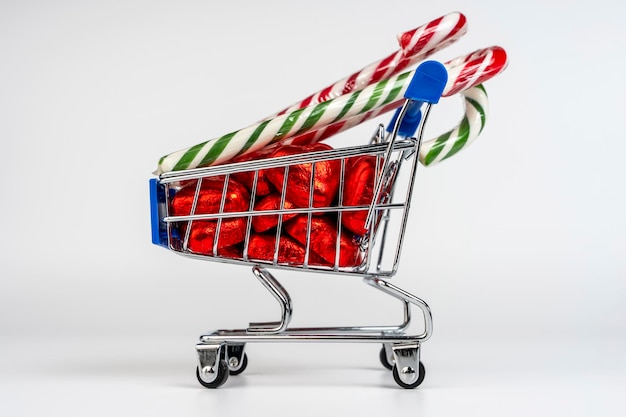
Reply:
x=420 y=379
x=222 y=376
x=243 y=367
x=384 y=360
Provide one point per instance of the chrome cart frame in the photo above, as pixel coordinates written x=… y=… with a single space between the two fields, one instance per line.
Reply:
x=222 y=353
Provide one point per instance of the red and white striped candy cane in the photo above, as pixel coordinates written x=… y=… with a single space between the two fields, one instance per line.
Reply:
x=465 y=76
x=415 y=46
x=473 y=69
x=321 y=120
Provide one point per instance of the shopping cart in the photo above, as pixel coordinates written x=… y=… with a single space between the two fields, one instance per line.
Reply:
x=393 y=156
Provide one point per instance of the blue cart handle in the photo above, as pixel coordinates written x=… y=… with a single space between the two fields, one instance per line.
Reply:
x=426 y=86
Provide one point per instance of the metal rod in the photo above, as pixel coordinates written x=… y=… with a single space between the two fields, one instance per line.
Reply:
x=246 y=241
x=279 y=225
x=221 y=210
x=279 y=162
x=387 y=160
x=242 y=336
x=192 y=212
x=400 y=294
x=283 y=298
x=409 y=191
x=295 y=210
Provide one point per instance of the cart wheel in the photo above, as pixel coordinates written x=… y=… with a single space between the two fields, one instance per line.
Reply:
x=220 y=379
x=384 y=360
x=420 y=379
x=244 y=365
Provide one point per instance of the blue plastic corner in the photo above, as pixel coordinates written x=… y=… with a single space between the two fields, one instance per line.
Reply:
x=426 y=86
x=157 y=200
x=428 y=82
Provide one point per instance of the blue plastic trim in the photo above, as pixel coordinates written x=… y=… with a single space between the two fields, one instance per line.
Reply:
x=426 y=86
x=157 y=199
x=428 y=82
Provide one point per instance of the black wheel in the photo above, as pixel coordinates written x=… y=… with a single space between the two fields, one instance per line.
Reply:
x=384 y=360
x=244 y=365
x=222 y=376
x=420 y=379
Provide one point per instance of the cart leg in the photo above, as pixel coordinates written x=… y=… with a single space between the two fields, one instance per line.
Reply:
x=404 y=358
x=283 y=298
x=408 y=299
x=212 y=370
x=408 y=371
x=236 y=358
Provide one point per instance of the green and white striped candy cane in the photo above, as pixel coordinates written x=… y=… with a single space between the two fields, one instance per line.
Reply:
x=249 y=139
x=464 y=73
x=464 y=133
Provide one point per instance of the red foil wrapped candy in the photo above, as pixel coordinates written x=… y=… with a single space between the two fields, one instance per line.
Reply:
x=323 y=240
x=325 y=181
x=209 y=197
x=263 y=185
x=271 y=202
x=262 y=245
x=233 y=252
x=359 y=183
x=202 y=235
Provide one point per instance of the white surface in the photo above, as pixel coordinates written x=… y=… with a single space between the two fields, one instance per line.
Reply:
x=517 y=243
x=142 y=377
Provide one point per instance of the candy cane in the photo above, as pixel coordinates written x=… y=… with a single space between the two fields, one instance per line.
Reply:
x=474 y=69
x=463 y=134
x=415 y=46
x=282 y=127
x=469 y=71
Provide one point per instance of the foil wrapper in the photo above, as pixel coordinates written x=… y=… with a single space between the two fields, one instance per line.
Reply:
x=237 y=197
x=270 y=202
x=263 y=185
x=202 y=234
x=359 y=188
x=325 y=180
x=323 y=239
x=263 y=245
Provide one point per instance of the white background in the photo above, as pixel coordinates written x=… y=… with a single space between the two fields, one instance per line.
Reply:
x=516 y=243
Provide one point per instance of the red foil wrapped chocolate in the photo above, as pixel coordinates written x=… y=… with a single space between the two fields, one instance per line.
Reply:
x=263 y=185
x=209 y=197
x=358 y=190
x=262 y=245
x=233 y=252
x=202 y=234
x=270 y=202
x=323 y=239
x=359 y=183
x=325 y=181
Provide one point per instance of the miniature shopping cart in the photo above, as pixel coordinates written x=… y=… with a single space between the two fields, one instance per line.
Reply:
x=394 y=154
